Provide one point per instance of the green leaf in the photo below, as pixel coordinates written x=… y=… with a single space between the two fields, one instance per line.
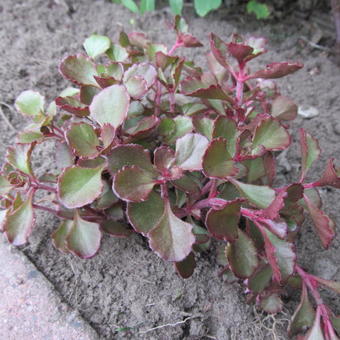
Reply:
x=95 y=45
x=133 y=184
x=204 y=126
x=260 y=10
x=310 y=151
x=131 y=5
x=147 y=6
x=176 y=6
x=84 y=237
x=30 y=135
x=303 y=316
x=83 y=140
x=79 y=186
x=110 y=106
x=256 y=169
x=117 y=53
x=128 y=155
x=259 y=195
x=30 y=103
x=186 y=267
x=79 y=69
x=217 y=162
x=203 y=7
x=223 y=223
x=5 y=186
x=19 y=222
x=242 y=256
x=20 y=157
x=336 y=323
x=141 y=221
x=226 y=128
x=271 y=303
x=171 y=239
x=260 y=279
x=106 y=199
x=116 y=229
x=172 y=129
x=271 y=135
x=60 y=235
x=190 y=150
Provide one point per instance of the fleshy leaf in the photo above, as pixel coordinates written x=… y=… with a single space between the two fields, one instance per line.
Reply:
x=5 y=186
x=19 y=222
x=186 y=267
x=60 y=235
x=133 y=184
x=79 y=69
x=334 y=285
x=310 y=151
x=203 y=7
x=324 y=226
x=315 y=333
x=110 y=106
x=217 y=161
x=219 y=50
x=127 y=155
x=83 y=140
x=116 y=229
x=226 y=128
x=303 y=316
x=79 y=186
x=242 y=256
x=95 y=45
x=271 y=135
x=284 y=109
x=204 y=126
x=331 y=175
x=223 y=223
x=190 y=150
x=106 y=199
x=141 y=221
x=84 y=237
x=260 y=279
x=272 y=303
x=73 y=105
x=280 y=255
x=20 y=157
x=30 y=103
x=276 y=70
x=259 y=195
x=172 y=239
x=165 y=162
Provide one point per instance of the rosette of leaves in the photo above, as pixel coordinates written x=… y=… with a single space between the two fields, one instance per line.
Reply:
x=148 y=142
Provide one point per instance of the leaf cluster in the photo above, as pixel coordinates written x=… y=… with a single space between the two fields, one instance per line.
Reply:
x=148 y=142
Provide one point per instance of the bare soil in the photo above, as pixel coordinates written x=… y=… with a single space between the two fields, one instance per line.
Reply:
x=126 y=291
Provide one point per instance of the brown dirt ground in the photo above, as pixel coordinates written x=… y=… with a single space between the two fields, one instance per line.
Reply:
x=126 y=290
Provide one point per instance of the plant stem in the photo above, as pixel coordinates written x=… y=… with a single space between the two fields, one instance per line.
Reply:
x=158 y=96
x=177 y=44
x=41 y=207
x=240 y=84
x=44 y=187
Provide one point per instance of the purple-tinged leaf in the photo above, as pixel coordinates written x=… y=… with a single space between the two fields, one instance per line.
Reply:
x=226 y=128
x=204 y=126
x=19 y=221
x=333 y=285
x=165 y=162
x=138 y=39
x=20 y=157
x=310 y=151
x=239 y=51
x=84 y=237
x=107 y=135
x=163 y=60
x=59 y=236
x=276 y=70
x=269 y=163
x=136 y=87
x=255 y=169
x=128 y=155
x=280 y=255
x=116 y=229
x=30 y=103
x=106 y=199
x=223 y=223
x=331 y=175
x=110 y=106
x=144 y=127
x=171 y=239
x=283 y=108
x=87 y=93
x=186 y=267
x=83 y=140
x=272 y=212
x=5 y=186
x=219 y=50
x=260 y=279
x=217 y=162
x=92 y=163
x=189 y=40
x=187 y=184
x=190 y=150
x=117 y=53
x=72 y=105
x=96 y=44
x=271 y=303
x=133 y=184
x=176 y=128
x=106 y=81
x=303 y=316
x=242 y=256
x=271 y=135
x=315 y=333
x=79 y=69
x=324 y=226
x=259 y=195
x=145 y=70
x=141 y=221
x=79 y=186
x=220 y=73
x=279 y=227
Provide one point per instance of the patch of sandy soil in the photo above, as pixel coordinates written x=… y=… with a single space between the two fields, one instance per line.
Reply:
x=126 y=290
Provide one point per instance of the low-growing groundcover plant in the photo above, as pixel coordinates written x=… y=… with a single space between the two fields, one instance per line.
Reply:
x=151 y=143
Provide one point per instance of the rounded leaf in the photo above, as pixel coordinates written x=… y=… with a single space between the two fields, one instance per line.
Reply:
x=96 y=45
x=30 y=103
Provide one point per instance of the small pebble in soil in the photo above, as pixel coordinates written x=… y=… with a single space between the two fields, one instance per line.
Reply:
x=308 y=112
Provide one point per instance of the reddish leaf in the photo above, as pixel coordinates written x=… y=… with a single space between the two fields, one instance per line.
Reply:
x=239 y=51
x=272 y=212
x=186 y=267
x=219 y=49
x=20 y=157
x=276 y=70
x=331 y=175
x=72 y=105
x=324 y=226
x=189 y=41
x=59 y=236
x=165 y=162
x=284 y=109
x=116 y=229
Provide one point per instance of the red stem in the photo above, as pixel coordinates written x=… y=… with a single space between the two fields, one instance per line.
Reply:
x=41 y=207
x=158 y=96
x=177 y=44
x=44 y=187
